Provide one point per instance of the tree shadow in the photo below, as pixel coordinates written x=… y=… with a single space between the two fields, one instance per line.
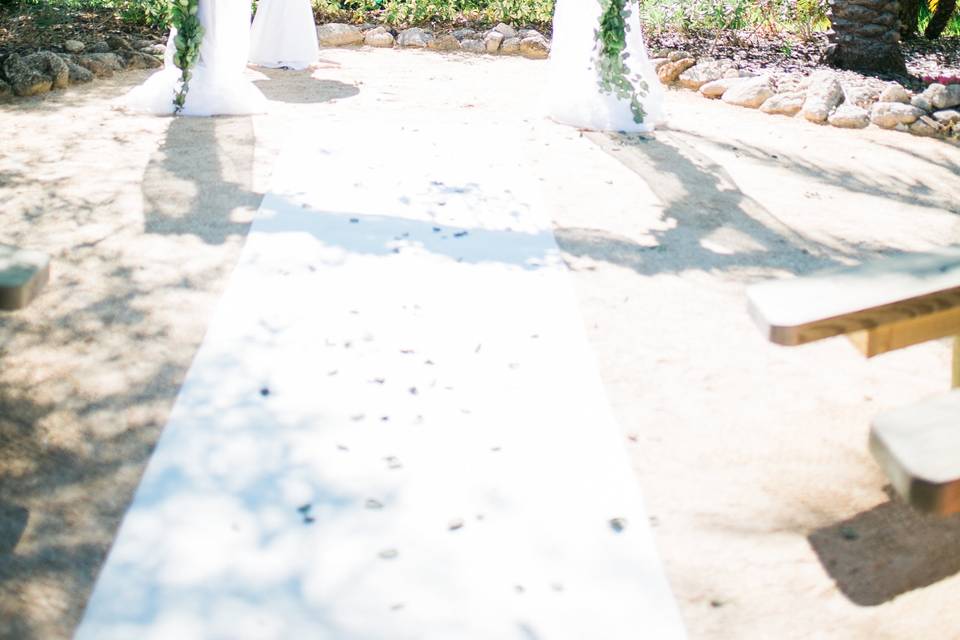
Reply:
x=888 y=551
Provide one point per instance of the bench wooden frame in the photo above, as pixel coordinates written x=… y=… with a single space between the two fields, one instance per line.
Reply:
x=883 y=306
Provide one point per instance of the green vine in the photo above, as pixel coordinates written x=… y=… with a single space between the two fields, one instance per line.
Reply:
x=615 y=76
x=187 y=42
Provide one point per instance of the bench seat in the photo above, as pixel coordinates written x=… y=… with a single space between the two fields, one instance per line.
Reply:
x=23 y=275
x=918 y=447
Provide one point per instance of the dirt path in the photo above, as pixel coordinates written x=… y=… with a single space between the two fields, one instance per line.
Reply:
x=752 y=458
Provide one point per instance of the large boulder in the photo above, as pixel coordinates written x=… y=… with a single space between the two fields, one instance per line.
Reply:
x=25 y=80
x=705 y=71
x=888 y=115
x=717 y=88
x=894 y=92
x=379 y=37
x=102 y=65
x=138 y=60
x=336 y=34
x=446 y=42
x=118 y=43
x=5 y=90
x=415 y=38
x=785 y=104
x=926 y=126
x=472 y=45
x=78 y=74
x=535 y=46
x=943 y=96
x=669 y=71
x=751 y=92
x=850 y=116
x=50 y=65
x=510 y=46
x=948 y=117
x=506 y=30
x=492 y=41
x=823 y=95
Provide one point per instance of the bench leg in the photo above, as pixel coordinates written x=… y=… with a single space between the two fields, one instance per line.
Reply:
x=956 y=362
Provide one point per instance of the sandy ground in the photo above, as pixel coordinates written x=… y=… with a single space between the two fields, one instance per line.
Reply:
x=771 y=518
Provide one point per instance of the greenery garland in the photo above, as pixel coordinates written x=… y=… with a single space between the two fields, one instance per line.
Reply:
x=615 y=76
x=189 y=36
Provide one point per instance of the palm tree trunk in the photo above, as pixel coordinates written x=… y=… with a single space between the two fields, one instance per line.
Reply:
x=942 y=10
x=865 y=36
x=909 y=17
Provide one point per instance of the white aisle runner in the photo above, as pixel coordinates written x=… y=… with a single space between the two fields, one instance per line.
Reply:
x=394 y=429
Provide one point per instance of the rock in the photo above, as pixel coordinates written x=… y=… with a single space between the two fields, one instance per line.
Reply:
x=510 y=46
x=850 y=116
x=78 y=74
x=74 y=46
x=529 y=33
x=717 y=88
x=921 y=102
x=823 y=96
x=535 y=47
x=460 y=34
x=116 y=43
x=895 y=93
x=860 y=96
x=926 y=126
x=785 y=104
x=492 y=41
x=671 y=70
x=6 y=91
x=942 y=96
x=98 y=47
x=50 y=65
x=661 y=53
x=444 y=43
x=155 y=50
x=415 y=38
x=888 y=115
x=948 y=117
x=750 y=92
x=506 y=30
x=336 y=34
x=676 y=56
x=472 y=45
x=379 y=37
x=703 y=72
x=25 y=80
x=137 y=60
x=102 y=65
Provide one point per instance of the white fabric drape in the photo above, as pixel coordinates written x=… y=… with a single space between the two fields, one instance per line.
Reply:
x=284 y=35
x=574 y=95
x=218 y=86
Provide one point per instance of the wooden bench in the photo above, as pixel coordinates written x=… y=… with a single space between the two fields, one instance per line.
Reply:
x=23 y=275
x=882 y=306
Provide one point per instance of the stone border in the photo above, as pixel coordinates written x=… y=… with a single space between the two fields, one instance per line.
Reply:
x=41 y=72
x=841 y=99
x=501 y=40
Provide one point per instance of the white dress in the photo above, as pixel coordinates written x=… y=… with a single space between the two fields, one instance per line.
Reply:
x=284 y=34
x=574 y=94
x=218 y=86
